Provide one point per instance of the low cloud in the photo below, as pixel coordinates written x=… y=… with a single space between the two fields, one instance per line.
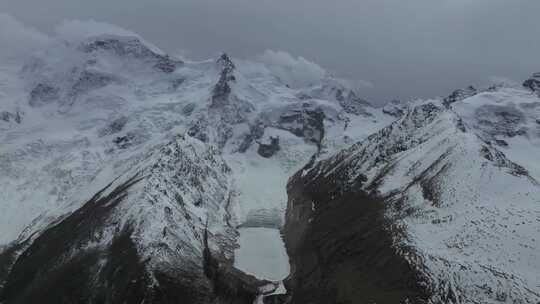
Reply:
x=301 y=72
x=18 y=40
x=296 y=72
x=501 y=80
x=77 y=29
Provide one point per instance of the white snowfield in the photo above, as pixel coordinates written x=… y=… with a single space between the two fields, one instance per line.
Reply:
x=463 y=192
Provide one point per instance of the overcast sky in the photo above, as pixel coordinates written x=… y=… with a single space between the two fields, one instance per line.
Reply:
x=405 y=48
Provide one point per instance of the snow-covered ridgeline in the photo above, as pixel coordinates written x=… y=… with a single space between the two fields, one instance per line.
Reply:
x=461 y=193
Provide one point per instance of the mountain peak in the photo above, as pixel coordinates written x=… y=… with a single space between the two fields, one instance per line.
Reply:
x=459 y=95
x=131 y=47
x=222 y=89
x=533 y=83
x=225 y=63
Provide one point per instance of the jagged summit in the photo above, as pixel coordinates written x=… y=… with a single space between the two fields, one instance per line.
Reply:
x=459 y=95
x=225 y=63
x=222 y=89
x=533 y=83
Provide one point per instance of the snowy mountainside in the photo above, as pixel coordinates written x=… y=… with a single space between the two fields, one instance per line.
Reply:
x=160 y=215
x=76 y=108
x=459 y=185
x=128 y=175
x=110 y=144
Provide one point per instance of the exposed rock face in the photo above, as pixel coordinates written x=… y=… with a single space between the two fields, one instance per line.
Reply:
x=8 y=116
x=222 y=89
x=256 y=131
x=305 y=122
x=351 y=103
x=533 y=83
x=131 y=47
x=459 y=95
x=268 y=150
x=341 y=246
x=394 y=108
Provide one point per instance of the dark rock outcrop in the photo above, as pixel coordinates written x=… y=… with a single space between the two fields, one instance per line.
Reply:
x=222 y=89
x=533 y=83
x=256 y=131
x=131 y=47
x=351 y=103
x=459 y=95
x=45 y=273
x=305 y=122
x=341 y=246
x=394 y=108
x=8 y=116
x=62 y=266
x=199 y=131
x=268 y=150
x=126 y=141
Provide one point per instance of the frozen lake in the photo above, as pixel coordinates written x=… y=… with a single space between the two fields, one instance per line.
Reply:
x=262 y=253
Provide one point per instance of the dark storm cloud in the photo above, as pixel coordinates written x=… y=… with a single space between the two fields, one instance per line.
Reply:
x=405 y=48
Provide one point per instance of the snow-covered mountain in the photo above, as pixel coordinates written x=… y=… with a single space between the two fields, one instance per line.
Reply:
x=127 y=174
x=451 y=187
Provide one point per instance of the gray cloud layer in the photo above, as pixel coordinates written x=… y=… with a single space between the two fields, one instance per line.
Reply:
x=405 y=48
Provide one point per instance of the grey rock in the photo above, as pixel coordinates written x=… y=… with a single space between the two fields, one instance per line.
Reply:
x=394 y=108
x=8 y=116
x=268 y=150
x=132 y=47
x=459 y=95
x=306 y=122
x=222 y=89
x=256 y=131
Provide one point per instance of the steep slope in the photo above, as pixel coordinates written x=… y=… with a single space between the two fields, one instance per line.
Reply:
x=149 y=236
x=431 y=209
